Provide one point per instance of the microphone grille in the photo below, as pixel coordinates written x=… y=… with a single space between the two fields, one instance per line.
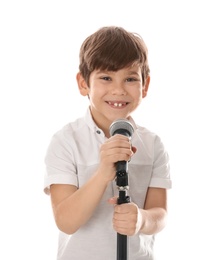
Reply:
x=121 y=124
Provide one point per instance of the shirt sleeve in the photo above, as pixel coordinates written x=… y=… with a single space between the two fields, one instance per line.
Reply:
x=161 y=168
x=59 y=161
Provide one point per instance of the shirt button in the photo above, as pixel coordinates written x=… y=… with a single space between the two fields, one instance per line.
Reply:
x=98 y=132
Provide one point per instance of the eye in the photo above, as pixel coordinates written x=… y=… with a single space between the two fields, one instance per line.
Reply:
x=131 y=79
x=106 y=78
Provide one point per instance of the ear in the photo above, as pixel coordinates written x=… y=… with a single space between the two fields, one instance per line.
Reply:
x=146 y=86
x=82 y=85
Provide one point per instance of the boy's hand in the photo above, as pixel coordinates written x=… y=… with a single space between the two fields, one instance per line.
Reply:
x=127 y=218
x=116 y=148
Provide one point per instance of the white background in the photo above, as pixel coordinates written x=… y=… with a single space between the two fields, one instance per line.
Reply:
x=39 y=48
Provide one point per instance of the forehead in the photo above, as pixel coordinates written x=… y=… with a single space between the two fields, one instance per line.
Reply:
x=135 y=69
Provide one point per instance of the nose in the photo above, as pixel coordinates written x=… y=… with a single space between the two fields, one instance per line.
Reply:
x=118 y=89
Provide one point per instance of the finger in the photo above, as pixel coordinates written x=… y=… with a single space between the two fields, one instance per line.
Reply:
x=118 y=137
x=113 y=200
x=134 y=149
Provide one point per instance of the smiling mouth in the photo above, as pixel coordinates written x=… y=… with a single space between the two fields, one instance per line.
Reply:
x=117 y=104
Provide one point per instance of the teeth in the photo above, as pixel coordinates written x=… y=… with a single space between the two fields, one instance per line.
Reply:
x=116 y=104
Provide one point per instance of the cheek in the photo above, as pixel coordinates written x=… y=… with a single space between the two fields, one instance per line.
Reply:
x=97 y=91
x=138 y=94
x=95 y=95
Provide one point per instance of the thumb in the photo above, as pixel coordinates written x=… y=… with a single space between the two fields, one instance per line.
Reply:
x=134 y=149
x=113 y=200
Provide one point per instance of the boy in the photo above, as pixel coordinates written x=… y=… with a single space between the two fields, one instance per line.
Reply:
x=80 y=161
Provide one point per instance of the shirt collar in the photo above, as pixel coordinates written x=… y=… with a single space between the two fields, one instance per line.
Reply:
x=89 y=121
x=94 y=128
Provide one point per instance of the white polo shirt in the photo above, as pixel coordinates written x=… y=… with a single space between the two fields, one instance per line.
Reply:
x=73 y=157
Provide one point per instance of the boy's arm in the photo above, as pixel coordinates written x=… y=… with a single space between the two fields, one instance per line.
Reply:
x=155 y=212
x=73 y=207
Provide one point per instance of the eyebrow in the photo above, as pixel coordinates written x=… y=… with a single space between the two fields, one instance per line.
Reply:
x=131 y=72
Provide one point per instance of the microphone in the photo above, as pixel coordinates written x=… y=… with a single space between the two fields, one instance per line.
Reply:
x=123 y=127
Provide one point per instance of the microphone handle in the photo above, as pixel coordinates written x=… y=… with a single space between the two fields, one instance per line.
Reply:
x=122 y=173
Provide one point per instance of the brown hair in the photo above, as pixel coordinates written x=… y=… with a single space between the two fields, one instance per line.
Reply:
x=113 y=48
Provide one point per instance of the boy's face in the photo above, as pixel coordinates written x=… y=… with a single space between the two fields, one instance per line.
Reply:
x=113 y=94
